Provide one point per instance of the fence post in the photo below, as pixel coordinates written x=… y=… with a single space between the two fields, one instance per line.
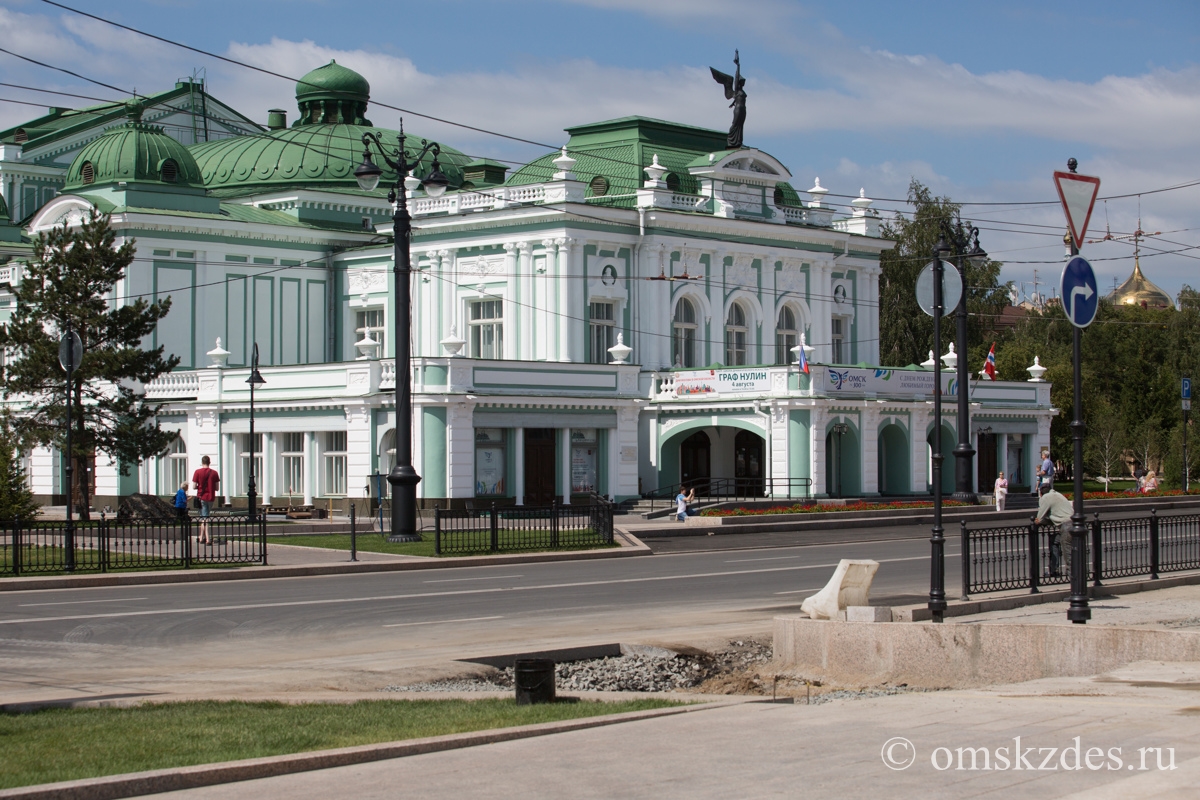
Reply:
x=353 y=536
x=16 y=557
x=1035 y=562
x=262 y=536
x=1153 y=544
x=437 y=529
x=187 y=542
x=554 y=524
x=103 y=542
x=495 y=530
x=1097 y=551
x=966 y=560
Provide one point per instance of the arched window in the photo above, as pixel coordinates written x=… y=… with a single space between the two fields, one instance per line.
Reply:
x=683 y=338
x=174 y=466
x=387 y=457
x=735 y=336
x=786 y=335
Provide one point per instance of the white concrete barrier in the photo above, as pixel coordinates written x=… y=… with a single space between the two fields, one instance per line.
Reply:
x=849 y=586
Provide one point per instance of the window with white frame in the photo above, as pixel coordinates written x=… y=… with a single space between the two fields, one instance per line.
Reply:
x=683 y=335
x=174 y=467
x=372 y=322
x=787 y=335
x=837 y=330
x=487 y=329
x=244 y=463
x=291 y=478
x=335 y=463
x=602 y=327
x=735 y=336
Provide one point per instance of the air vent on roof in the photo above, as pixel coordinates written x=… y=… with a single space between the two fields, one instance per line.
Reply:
x=20 y=137
x=778 y=198
x=88 y=172
x=170 y=171
x=672 y=182
x=599 y=186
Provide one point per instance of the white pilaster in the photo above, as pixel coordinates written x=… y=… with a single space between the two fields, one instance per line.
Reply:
x=528 y=311
x=519 y=465
x=1002 y=453
x=565 y=438
x=869 y=462
x=548 y=331
x=820 y=418
x=310 y=466
x=358 y=449
x=920 y=454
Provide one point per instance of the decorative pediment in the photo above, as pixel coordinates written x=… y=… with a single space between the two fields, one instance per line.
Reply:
x=742 y=166
x=66 y=210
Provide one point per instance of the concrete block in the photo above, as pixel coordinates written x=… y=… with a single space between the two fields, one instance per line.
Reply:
x=849 y=586
x=868 y=614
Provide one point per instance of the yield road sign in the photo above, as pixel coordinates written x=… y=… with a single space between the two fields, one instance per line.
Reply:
x=1186 y=389
x=951 y=288
x=1078 y=196
x=1078 y=292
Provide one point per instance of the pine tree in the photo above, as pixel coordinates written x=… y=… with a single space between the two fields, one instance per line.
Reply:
x=71 y=280
x=16 y=501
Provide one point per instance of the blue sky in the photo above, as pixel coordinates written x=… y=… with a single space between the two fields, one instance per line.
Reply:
x=981 y=101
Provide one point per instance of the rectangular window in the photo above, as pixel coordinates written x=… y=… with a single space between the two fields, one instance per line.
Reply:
x=371 y=321
x=292 y=478
x=289 y=262
x=490 y=462
x=264 y=261
x=185 y=253
x=236 y=259
x=487 y=329
x=244 y=463
x=603 y=328
x=837 y=338
x=335 y=464
x=166 y=253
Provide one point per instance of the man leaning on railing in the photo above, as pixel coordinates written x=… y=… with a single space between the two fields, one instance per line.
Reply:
x=1059 y=508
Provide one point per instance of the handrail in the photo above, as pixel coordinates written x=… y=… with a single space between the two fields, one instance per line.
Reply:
x=732 y=489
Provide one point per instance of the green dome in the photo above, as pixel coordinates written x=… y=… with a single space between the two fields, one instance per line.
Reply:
x=133 y=152
x=332 y=94
x=313 y=156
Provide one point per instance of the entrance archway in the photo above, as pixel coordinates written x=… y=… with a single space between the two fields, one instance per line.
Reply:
x=842 y=472
x=695 y=459
x=748 y=463
x=894 y=468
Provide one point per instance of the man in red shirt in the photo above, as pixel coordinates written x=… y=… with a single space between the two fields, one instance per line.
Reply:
x=207 y=482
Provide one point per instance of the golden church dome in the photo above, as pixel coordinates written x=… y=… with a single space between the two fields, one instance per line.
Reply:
x=1137 y=290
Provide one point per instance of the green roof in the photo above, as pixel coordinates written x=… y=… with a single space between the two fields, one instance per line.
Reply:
x=133 y=152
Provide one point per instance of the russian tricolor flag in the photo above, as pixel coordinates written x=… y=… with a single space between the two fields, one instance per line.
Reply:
x=989 y=366
x=801 y=360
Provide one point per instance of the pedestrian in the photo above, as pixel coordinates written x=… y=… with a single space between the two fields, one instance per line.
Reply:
x=181 y=501
x=681 y=508
x=207 y=482
x=1151 y=482
x=1001 y=491
x=690 y=500
x=1045 y=474
x=1059 y=509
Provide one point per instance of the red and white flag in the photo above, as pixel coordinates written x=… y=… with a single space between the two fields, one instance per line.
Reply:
x=989 y=366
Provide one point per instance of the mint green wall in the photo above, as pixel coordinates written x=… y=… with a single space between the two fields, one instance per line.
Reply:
x=799 y=445
x=894 y=463
x=433 y=431
x=851 y=460
x=176 y=332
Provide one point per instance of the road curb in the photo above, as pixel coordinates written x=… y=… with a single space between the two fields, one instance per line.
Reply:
x=630 y=546
x=174 y=779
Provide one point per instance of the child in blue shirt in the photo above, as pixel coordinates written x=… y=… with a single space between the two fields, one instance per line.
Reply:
x=181 y=501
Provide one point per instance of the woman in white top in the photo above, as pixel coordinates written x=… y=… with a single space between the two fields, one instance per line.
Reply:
x=1001 y=490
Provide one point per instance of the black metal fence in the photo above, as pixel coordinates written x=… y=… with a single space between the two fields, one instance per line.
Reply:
x=523 y=528
x=41 y=547
x=733 y=489
x=1031 y=556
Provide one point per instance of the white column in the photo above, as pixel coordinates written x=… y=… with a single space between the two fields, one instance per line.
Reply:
x=310 y=466
x=548 y=331
x=873 y=300
x=869 y=461
x=443 y=262
x=566 y=465
x=1002 y=453
x=228 y=459
x=821 y=304
x=358 y=450
x=528 y=312
x=268 y=469
x=418 y=445
x=819 y=418
x=519 y=465
x=920 y=456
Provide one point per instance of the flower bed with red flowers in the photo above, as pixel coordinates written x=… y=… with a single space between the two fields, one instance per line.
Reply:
x=814 y=508
x=1128 y=495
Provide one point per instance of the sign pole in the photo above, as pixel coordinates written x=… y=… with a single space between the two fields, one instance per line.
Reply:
x=937 y=540
x=69 y=533
x=1186 y=394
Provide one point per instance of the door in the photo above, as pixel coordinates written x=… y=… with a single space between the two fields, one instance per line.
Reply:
x=748 y=464
x=987 y=462
x=539 y=466
x=694 y=464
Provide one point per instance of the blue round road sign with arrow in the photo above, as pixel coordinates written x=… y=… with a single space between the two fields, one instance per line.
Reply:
x=1079 y=296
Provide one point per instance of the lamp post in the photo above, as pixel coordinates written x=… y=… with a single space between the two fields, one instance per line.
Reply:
x=403 y=477
x=965 y=242
x=937 y=540
x=255 y=379
x=70 y=352
x=1078 y=612
x=839 y=429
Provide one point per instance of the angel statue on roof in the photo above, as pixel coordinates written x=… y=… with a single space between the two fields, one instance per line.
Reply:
x=735 y=90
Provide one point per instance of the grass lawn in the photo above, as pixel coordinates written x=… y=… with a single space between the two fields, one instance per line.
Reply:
x=69 y=744
x=377 y=543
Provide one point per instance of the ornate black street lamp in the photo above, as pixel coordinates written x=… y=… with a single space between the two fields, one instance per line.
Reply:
x=403 y=477
x=937 y=540
x=255 y=379
x=964 y=239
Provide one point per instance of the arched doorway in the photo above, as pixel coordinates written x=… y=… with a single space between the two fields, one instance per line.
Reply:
x=894 y=462
x=748 y=463
x=842 y=472
x=695 y=460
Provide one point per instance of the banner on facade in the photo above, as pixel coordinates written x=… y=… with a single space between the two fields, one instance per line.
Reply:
x=891 y=382
x=721 y=381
